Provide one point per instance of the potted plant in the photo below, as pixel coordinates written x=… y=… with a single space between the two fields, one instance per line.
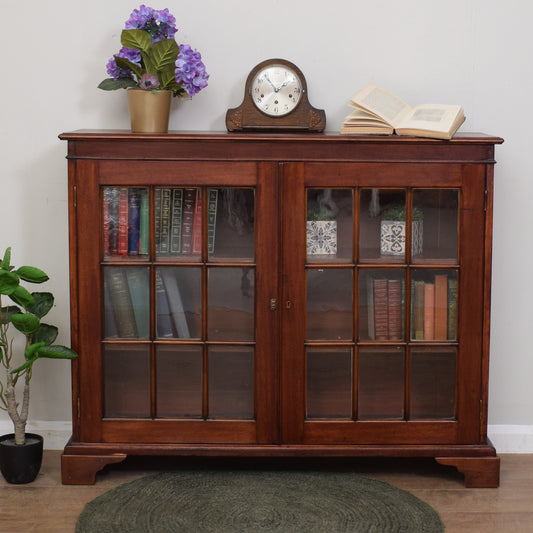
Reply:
x=153 y=67
x=321 y=230
x=21 y=452
x=392 y=231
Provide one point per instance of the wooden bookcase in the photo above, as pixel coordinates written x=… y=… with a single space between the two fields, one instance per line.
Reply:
x=280 y=295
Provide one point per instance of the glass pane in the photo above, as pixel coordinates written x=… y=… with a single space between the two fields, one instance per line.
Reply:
x=126 y=302
x=329 y=224
x=125 y=221
x=437 y=211
x=179 y=302
x=382 y=225
x=329 y=383
x=432 y=383
x=231 y=295
x=231 y=382
x=434 y=304
x=329 y=304
x=231 y=214
x=381 y=383
x=178 y=222
x=381 y=304
x=179 y=381
x=126 y=381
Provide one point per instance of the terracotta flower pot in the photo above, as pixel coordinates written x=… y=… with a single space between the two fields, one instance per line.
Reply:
x=149 y=110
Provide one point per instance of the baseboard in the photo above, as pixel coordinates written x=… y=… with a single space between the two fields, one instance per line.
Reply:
x=505 y=438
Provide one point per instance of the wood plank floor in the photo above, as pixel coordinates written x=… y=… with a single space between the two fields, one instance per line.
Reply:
x=47 y=506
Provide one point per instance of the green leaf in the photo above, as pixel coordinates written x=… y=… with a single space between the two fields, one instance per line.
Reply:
x=112 y=85
x=127 y=64
x=27 y=364
x=44 y=301
x=8 y=282
x=32 y=274
x=57 y=352
x=46 y=333
x=7 y=312
x=25 y=322
x=22 y=297
x=32 y=348
x=7 y=259
x=137 y=39
x=164 y=53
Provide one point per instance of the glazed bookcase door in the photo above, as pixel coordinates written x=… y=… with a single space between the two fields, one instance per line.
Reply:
x=382 y=351
x=176 y=269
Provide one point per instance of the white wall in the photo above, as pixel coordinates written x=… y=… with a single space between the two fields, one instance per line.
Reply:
x=473 y=52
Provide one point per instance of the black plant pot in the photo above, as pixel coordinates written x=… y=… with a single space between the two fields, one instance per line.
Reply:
x=20 y=464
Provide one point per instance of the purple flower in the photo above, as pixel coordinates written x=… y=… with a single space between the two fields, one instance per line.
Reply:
x=128 y=53
x=159 y=24
x=190 y=71
x=149 y=82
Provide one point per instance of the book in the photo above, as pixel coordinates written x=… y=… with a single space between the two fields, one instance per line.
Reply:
x=164 y=320
x=189 y=200
x=157 y=210
x=123 y=222
x=175 y=221
x=212 y=203
x=394 y=287
x=197 y=226
x=381 y=310
x=144 y=223
x=134 y=221
x=418 y=310
x=175 y=303
x=441 y=307
x=452 y=309
x=378 y=111
x=111 y=200
x=164 y=222
x=139 y=294
x=121 y=302
x=429 y=311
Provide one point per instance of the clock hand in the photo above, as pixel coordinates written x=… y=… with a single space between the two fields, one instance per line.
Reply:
x=273 y=86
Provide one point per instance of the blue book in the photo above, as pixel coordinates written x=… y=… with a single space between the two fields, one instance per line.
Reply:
x=134 y=221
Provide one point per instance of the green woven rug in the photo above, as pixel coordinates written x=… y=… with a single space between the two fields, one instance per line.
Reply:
x=257 y=501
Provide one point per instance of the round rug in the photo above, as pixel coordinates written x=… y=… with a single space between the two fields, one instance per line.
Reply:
x=257 y=501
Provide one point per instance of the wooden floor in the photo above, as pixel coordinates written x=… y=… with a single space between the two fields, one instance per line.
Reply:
x=47 y=506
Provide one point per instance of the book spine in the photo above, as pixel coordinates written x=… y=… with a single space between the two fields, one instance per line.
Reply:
x=134 y=221
x=164 y=320
x=105 y=220
x=157 y=217
x=452 y=309
x=144 y=223
x=175 y=303
x=197 y=226
x=189 y=196
x=441 y=306
x=113 y=197
x=123 y=221
x=381 y=309
x=166 y=201
x=121 y=302
x=176 y=219
x=137 y=284
x=212 y=203
x=429 y=311
x=395 y=309
x=418 y=311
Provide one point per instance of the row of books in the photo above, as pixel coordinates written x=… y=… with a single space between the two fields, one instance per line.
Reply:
x=127 y=304
x=434 y=306
x=178 y=221
x=433 y=302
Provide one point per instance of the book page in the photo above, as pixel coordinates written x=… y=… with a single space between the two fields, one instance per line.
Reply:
x=383 y=103
x=432 y=117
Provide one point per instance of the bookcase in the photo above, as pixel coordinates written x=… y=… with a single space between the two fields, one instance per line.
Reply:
x=265 y=294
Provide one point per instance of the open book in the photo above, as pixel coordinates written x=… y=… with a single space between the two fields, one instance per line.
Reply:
x=380 y=111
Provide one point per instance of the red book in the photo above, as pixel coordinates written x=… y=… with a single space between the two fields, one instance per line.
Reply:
x=123 y=222
x=381 y=309
x=395 y=309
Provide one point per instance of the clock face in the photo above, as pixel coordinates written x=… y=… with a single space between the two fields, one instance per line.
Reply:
x=276 y=90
